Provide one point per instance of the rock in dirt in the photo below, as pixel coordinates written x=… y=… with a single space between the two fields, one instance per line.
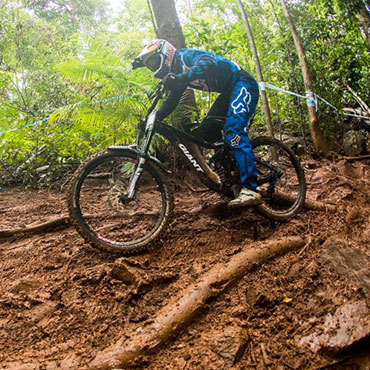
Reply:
x=351 y=322
x=229 y=343
x=353 y=143
x=122 y=271
x=347 y=261
x=134 y=274
x=349 y=325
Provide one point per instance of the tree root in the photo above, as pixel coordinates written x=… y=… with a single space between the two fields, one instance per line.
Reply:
x=182 y=308
x=309 y=204
x=356 y=158
x=61 y=222
x=315 y=205
x=55 y=222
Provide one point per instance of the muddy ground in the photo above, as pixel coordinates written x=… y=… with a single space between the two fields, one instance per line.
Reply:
x=60 y=304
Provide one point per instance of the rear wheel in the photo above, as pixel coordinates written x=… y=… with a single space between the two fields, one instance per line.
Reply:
x=280 y=178
x=103 y=214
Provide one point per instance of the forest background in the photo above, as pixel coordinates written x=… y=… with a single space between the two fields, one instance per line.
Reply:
x=65 y=75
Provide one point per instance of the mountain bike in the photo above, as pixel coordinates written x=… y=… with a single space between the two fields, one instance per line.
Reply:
x=119 y=200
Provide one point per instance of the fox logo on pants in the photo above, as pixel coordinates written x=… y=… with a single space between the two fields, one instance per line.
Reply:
x=235 y=141
x=241 y=103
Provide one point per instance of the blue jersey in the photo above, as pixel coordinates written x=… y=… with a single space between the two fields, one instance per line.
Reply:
x=205 y=71
x=200 y=70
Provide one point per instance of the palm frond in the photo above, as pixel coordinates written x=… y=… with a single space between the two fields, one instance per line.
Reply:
x=88 y=71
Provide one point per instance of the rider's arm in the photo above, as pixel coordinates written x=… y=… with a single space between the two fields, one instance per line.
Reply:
x=171 y=101
x=203 y=66
x=200 y=70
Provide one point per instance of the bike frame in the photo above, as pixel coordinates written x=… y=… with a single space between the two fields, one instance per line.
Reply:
x=180 y=139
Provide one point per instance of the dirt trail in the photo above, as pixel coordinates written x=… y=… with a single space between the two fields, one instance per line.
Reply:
x=60 y=303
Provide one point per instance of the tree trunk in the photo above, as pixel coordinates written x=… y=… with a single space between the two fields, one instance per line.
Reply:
x=167 y=26
x=318 y=139
x=188 y=303
x=289 y=57
x=264 y=99
x=364 y=16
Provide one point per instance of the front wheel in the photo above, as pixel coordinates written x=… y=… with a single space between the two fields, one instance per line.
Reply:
x=103 y=214
x=280 y=178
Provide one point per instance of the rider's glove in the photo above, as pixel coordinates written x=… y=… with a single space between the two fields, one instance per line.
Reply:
x=170 y=81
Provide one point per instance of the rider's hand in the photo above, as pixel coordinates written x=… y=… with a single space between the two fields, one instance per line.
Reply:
x=170 y=81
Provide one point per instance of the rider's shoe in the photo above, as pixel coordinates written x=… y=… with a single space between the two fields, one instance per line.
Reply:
x=246 y=198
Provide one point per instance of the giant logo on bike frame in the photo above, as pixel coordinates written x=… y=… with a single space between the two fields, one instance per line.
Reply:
x=190 y=157
x=241 y=103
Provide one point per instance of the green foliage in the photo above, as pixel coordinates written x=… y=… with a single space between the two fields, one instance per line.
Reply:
x=57 y=70
x=332 y=37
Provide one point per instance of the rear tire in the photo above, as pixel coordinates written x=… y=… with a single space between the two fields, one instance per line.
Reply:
x=104 y=217
x=280 y=178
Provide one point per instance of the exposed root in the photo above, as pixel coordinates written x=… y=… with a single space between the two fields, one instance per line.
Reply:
x=187 y=303
x=55 y=222
x=309 y=204
x=357 y=158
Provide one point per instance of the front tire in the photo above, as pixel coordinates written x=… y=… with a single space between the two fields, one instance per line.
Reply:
x=102 y=214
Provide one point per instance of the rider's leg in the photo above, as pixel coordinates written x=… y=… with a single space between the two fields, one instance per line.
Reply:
x=242 y=106
x=210 y=128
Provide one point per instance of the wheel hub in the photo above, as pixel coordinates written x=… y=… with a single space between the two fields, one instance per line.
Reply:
x=118 y=199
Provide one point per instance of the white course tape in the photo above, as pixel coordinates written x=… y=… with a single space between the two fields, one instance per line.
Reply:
x=311 y=99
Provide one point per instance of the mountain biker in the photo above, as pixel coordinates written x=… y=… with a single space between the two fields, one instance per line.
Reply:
x=237 y=101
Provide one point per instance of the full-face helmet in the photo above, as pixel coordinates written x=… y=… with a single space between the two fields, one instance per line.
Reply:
x=157 y=56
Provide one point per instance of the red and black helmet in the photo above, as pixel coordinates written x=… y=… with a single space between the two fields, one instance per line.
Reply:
x=157 y=56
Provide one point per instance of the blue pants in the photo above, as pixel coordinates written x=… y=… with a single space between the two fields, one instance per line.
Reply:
x=242 y=106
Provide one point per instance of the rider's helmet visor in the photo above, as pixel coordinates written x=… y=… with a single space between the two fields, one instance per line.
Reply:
x=153 y=62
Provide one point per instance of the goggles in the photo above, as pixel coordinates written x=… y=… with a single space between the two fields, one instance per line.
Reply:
x=153 y=62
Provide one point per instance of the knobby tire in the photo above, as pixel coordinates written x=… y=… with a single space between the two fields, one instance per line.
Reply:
x=81 y=220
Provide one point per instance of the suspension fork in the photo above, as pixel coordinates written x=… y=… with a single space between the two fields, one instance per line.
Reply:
x=142 y=154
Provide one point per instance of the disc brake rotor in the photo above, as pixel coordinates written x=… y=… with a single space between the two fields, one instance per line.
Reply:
x=118 y=201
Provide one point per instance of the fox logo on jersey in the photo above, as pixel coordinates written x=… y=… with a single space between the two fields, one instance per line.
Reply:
x=241 y=103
